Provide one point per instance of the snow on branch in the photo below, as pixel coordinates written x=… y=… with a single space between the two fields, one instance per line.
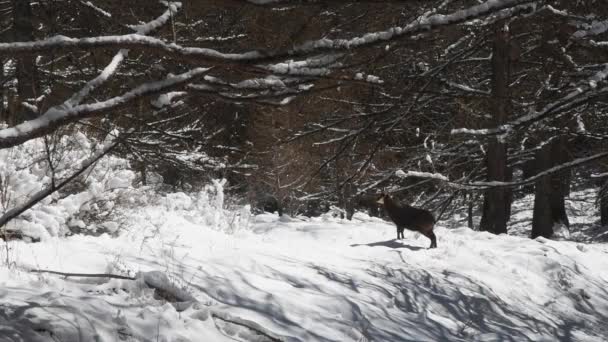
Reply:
x=127 y=41
x=172 y=8
x=494 y=184
x=107 y=72
x=96 y=9
x=117 y=60
x=466 y=88
x=581 y=94
x=550 y=171
x=600 y=175
x=428 y=175
x=314 y=66
x=421 y=24
x=596 y=28
x=61 y=115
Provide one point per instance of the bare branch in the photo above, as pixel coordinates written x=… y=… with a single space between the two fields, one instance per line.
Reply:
x=85 y=275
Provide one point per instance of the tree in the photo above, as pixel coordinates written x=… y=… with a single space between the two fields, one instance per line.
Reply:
x=496 y=205
x=604 y=203
x=28 y=86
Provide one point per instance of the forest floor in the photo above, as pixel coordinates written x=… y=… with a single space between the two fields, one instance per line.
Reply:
x=317 y=279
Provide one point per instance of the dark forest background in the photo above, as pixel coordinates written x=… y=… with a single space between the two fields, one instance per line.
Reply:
x=305 y=105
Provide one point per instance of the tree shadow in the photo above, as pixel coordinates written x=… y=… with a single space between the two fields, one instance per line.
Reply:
x=28 y=315
x=38 y=321
x=393 y=243
x=589 y=232
x=386 y=303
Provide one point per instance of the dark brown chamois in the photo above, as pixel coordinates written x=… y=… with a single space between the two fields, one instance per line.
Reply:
x=418 y=220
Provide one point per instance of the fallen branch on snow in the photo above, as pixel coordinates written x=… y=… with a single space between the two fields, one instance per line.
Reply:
x=85 y=275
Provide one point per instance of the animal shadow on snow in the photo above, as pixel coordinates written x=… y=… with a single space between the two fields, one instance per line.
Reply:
x=393 y=243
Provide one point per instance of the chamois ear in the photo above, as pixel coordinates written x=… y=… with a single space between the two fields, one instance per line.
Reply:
x=380 y=199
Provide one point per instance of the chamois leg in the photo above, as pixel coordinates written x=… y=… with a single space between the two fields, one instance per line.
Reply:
x=433 y=238
x=400 y=233
x=397 y=232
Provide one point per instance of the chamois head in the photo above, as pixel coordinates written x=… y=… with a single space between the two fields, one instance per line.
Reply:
x=381 y=198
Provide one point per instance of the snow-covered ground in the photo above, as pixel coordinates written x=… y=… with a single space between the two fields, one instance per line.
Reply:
x=297 y=279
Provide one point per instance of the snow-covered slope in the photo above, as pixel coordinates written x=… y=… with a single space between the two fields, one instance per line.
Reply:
x=294 y=279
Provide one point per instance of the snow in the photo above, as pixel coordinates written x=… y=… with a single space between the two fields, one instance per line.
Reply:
x=599 y=175
x=309 y=67
x=368 y=78
x=166 y=99
x=261 y=278
x=25 y=175
x=97 y=9
x=466 y=88
x=271 y=81
x=596 y=28
x=374 y=79
x=403 y=174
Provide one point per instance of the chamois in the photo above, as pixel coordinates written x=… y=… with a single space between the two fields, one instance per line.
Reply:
x=418 y=220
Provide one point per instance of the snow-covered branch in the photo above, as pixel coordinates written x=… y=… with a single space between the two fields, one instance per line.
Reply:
x=127 y=41
x=96 y=8
x=600 y=175
x=421 y=24
x=117 y=60
x=61 y=115
x=596 y=28
x=580 y=95
x=492 y=184
x=438 y=176
x=131 y=41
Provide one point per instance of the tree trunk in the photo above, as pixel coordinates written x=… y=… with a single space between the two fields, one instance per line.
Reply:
x=551 y=191
x=560 y=182
x=27 y=74
x=496 y=204
x=509 y=193
x=542 y=219
x=604 y=203
x=3 y=116
x=349 y=191
x=470 y=212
